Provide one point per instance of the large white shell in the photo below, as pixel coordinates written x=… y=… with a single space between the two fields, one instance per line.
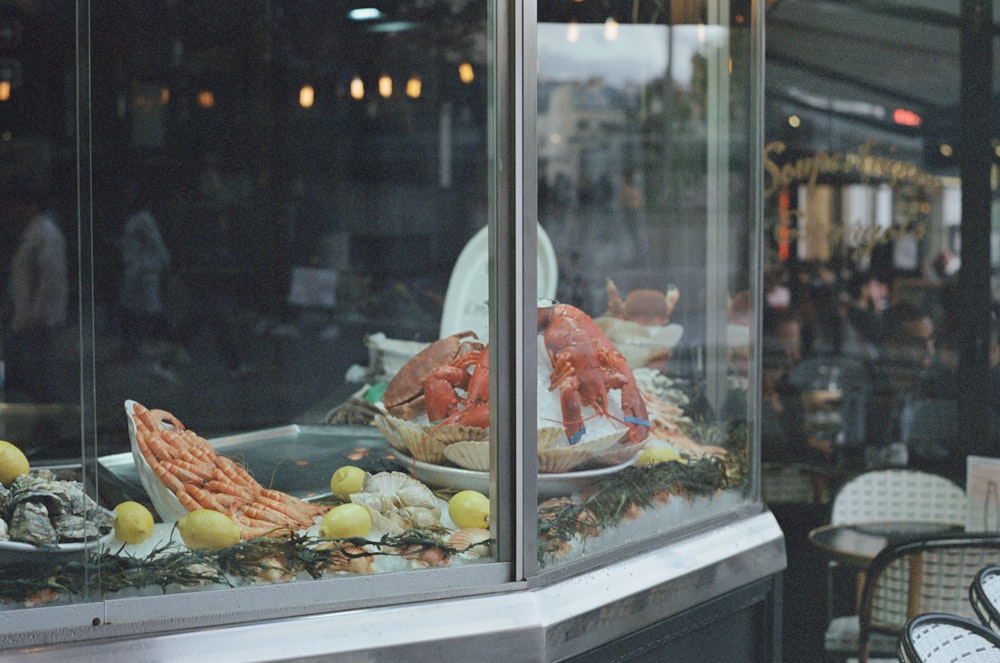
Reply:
x=410 y=438
x=471 y=454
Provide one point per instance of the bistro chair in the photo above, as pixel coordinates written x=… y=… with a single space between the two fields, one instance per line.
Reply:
x=942 y=638
x=984 y=594
x=931 y=574
x=897 y=494
x=894 y=495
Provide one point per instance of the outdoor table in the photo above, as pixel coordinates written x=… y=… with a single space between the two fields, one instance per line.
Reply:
x=856 y=545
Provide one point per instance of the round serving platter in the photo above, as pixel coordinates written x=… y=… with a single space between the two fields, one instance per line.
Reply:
x=549 y=485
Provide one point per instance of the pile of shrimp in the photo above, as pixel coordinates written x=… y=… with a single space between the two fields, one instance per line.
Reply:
x=202 y=479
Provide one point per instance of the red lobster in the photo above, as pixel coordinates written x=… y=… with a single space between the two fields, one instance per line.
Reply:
x=440 y=390
x=585 y=366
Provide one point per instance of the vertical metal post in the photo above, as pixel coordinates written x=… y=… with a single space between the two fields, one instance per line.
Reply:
x=975 y=115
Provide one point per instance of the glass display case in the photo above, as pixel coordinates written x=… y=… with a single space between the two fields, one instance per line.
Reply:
x=343 y=312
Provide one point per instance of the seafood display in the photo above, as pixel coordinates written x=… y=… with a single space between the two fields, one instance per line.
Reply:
x=650 y=308
x=597 y=418
x=200 y=478
x=639 y=325
x=398 y=502
x=585 y=367
x=45 y=511
x=405 y=394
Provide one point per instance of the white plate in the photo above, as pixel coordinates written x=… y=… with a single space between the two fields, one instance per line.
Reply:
x=549 y=485
x=465 y=304
x=164 y=501
x=15 y=552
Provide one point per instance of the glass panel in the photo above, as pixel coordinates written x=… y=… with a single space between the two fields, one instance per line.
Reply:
x=644 y=165
x=280 y=193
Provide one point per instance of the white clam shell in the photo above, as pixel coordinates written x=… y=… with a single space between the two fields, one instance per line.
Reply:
x=397 y=502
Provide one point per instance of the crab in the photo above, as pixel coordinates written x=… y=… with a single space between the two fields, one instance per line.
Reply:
x=651 y=308
x=404 y=395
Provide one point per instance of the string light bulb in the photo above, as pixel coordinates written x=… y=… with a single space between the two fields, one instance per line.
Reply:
x=307 y=96
x=465 y=73
x=357 y=88
x=413 y=87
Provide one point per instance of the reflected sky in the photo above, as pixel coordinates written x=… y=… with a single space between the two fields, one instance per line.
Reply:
x=637 y=56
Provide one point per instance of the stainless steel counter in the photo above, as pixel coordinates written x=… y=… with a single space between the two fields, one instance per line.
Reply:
x=515 y=623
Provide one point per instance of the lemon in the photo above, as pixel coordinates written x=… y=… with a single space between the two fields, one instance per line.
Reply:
x=205 y=528
x=654 y=455
x=133 y=522
x=345 y=521
x=346 y=480
x=469 y=508
x=13 y=463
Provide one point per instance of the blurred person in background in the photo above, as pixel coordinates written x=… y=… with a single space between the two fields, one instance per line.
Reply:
x=144 y=259
x=35 y=310
x=907 y=371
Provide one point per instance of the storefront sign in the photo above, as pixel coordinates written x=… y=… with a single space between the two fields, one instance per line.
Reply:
x=909 y=218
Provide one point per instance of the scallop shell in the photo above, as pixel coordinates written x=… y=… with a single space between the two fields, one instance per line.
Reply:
x=562 y=459
x=551 y=436
x=410 y=438
x=620 y=452
x=470 y=454
x=466 y=540
x=450 y=433
x=397 y=502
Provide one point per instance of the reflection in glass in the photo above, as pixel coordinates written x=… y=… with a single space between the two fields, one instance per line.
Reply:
x=643 y=166
x=276 y=198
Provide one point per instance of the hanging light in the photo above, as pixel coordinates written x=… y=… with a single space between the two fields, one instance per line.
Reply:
x=610 y=29
x=413 y=87
x=307 y=95
x=385 y=86
x=4 y=90
x=357 y=88
x=465 y=73
x=164 y=96
x=206 y=99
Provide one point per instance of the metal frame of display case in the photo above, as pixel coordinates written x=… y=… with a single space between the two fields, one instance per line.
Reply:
x=662 y=598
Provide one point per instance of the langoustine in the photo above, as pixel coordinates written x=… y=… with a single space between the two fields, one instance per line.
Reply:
x=202 y=479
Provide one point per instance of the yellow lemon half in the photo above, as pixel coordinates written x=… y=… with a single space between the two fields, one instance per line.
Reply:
x=13 y=463
x=345 y=521
x=347 y=480
x=469 y=508
x=133 y=522
x=654 y=455
x=205 y=528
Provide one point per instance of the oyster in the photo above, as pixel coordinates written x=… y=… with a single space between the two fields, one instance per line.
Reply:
x=30 y=523
x=46 y=510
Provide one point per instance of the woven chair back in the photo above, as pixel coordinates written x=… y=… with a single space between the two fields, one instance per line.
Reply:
x=984 y=594
x=904 y=495
x=944 y=638
x=928 y=575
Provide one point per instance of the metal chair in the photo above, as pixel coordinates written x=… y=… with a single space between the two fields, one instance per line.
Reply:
x=944 y=638
x=880 y=496
x=926 y=575
x=984 y=595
